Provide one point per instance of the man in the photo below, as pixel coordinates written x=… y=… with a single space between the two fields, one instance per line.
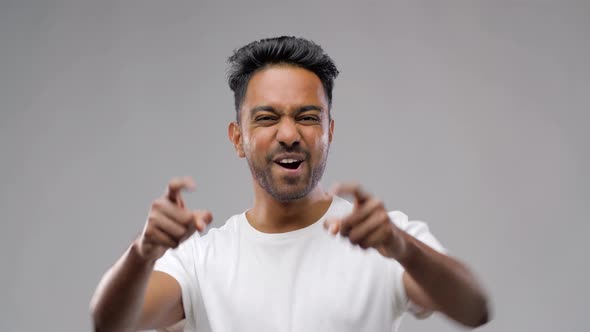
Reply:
x=300 y=259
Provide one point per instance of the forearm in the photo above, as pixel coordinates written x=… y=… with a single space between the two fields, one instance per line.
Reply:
x=448 y=283
x=118 y=299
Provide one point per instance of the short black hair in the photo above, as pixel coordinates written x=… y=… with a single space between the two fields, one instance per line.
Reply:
x=249 y=59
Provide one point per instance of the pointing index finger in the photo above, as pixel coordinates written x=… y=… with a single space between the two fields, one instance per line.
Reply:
x=176 y=185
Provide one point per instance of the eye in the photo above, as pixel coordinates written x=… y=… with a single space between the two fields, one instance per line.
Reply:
x=265 y=118
x=309 y=119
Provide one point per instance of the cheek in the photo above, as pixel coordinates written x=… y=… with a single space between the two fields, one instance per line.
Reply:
x=321 y=141
x=254 y=143
x=247 y=145
x=323 y=137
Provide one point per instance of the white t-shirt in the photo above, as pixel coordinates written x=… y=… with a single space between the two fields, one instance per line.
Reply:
x=236 y=278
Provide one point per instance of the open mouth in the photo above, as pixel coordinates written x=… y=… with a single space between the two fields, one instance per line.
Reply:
x=289 y=163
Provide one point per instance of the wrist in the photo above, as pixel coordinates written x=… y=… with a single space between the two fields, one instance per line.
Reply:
x=405 y=248
x=137 y=257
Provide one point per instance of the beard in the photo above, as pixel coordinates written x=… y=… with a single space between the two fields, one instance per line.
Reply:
x=288 y=188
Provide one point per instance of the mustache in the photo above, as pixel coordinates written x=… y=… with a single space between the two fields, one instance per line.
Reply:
x=287 y=149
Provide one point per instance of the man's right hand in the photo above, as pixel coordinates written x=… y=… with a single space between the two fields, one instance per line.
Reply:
x=169 y=222
x=131 y=295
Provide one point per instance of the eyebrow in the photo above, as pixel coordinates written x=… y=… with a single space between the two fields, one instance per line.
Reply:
x=266 y=108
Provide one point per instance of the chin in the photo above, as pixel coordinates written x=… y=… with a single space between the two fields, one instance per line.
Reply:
x=285 y=188
x=286 y=195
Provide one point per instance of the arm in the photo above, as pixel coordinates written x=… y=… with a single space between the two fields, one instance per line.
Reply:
x=432 y=280
x=439 y=282
x=131 y=295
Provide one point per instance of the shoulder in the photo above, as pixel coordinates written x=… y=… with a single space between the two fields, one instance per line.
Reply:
x=226 y=232
x=221 y=241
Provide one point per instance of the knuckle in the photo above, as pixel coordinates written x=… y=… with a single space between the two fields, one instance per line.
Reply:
x=180 y=221
x=182 y=233
x=344 y=231
x=186 y=217
x=173 y=181
x=155 y=204
x=158 y=203
x=151 y=218
x=346 y=224
x=148 y=233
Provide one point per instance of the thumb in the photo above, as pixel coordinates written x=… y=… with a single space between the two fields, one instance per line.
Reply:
x=201 y=218
x=332 y=225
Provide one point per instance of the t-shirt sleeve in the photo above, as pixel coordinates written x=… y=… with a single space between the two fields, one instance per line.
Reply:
x=180 y=264
x=420 y=231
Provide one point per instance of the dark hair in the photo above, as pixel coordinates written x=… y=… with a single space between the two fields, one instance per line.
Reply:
x=249 y=59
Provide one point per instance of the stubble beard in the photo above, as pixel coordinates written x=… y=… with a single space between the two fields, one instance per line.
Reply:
x=264 y=176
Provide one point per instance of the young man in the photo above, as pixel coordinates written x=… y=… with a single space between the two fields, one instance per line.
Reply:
x=300 y=259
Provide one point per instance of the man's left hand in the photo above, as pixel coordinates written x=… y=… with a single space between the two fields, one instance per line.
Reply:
x=369 y=225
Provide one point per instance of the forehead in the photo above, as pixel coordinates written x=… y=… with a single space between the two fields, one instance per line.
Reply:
x=284 y=87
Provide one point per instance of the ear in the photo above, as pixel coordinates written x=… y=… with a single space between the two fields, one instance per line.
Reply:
x=234 y=133
x=331 y=131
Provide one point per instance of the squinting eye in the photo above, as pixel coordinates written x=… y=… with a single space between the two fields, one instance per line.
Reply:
x=264 y=118
x=309 y=118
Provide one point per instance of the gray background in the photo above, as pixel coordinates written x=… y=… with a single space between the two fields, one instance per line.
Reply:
x=470 y=115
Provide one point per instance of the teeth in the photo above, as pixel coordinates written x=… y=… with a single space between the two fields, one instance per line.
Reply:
x=288 y=161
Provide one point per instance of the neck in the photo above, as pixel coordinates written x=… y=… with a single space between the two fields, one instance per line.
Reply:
x=272 y=216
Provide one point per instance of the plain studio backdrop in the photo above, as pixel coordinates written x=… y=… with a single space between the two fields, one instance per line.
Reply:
x=470 y=115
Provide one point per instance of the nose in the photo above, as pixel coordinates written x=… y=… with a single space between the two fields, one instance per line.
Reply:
x=288 y=133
